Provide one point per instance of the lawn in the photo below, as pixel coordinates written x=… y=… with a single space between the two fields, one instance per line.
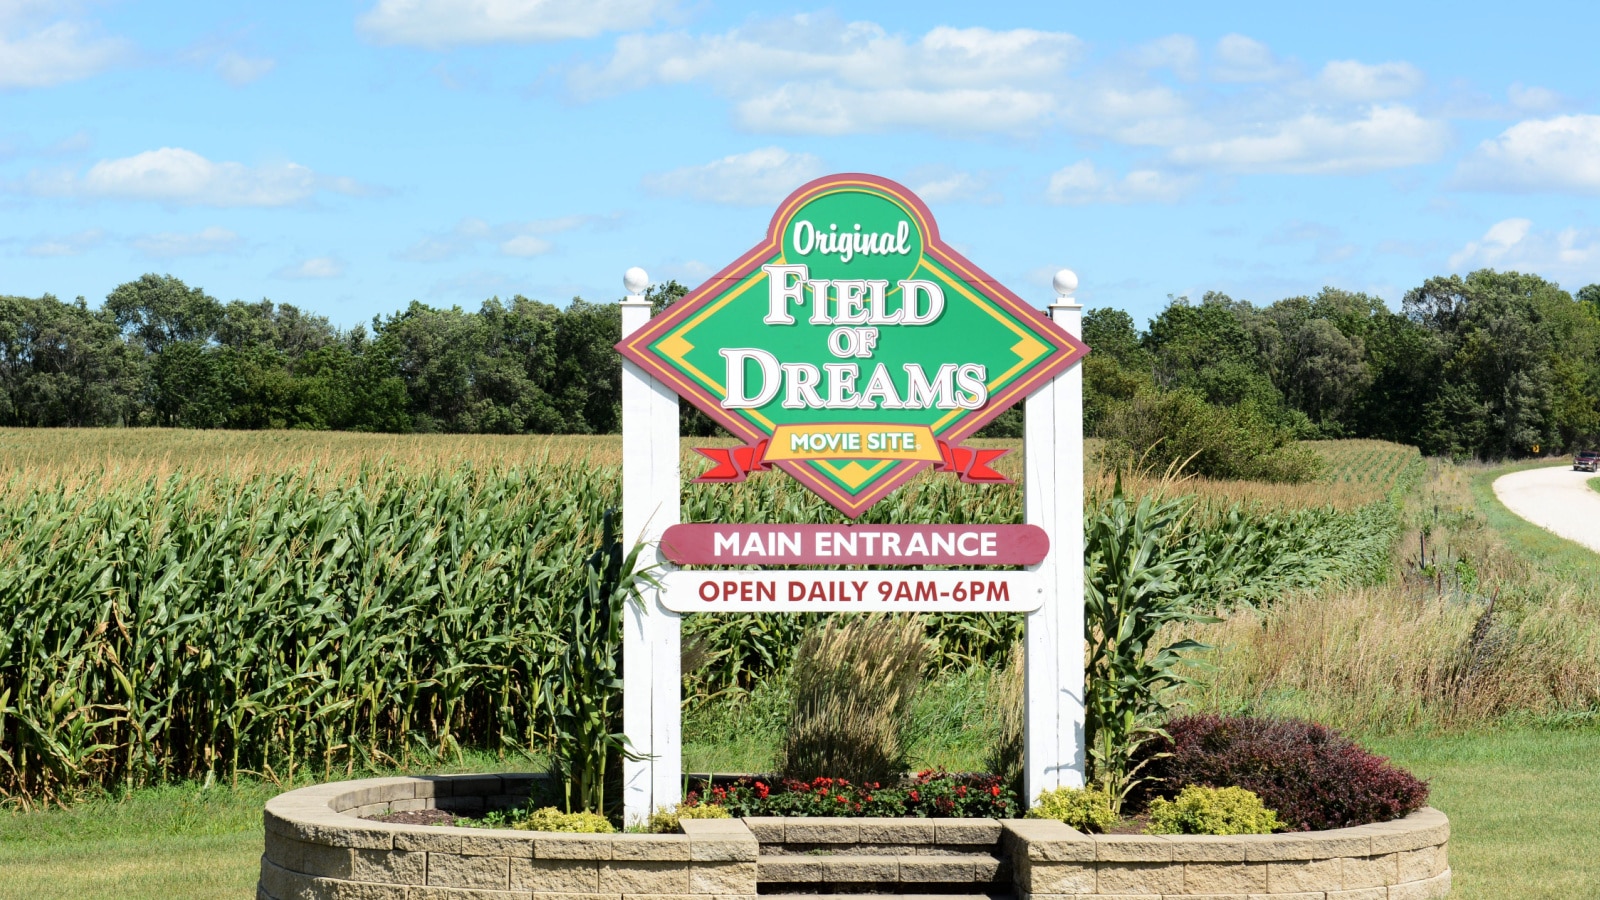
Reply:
x=1522 y=805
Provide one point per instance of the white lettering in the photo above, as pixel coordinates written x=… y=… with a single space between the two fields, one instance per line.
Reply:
x=771 y=378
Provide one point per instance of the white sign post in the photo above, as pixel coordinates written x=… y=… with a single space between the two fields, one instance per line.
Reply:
x=1052 y=589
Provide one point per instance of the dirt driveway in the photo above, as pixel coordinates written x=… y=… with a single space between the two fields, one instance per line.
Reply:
x=1556 y=499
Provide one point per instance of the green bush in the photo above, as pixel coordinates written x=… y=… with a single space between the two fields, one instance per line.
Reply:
x=666 y=820
x=551 y=819
x=1086 y=809
x=854 y=681
x=1209 y=810
x=1157 y=429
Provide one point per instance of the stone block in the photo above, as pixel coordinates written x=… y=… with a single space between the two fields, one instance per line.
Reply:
x=309 y=858
x=281 y=883
x=1371 y=871
x=1423 y=828
x=447 y=893
x=408 y=805
x=451 y=870
x=790 y=869
x=1211 y=848
x=427 y=837
x=315 y=823
x=896 y=831
x=1293 y=876
x=544 y=895
x=1133 y=848
x=860 y=869
x=492 y=843
x=658 y=847
x=1417 y=865
x=1139 y=877
x=556 y=876
x=571 y=846
x=988 y=870
x=1375 y=893
x=966 y=832
x=1301 y=845
x=476 y=786
x=1437 y=886
x=389 y=866
x=731 y=849
x=767 y=829
x=721 y=828
x=330 y=889
x=808 y=830
x=723 y=878
x=924 y=869
x=1058 y=878
x=1225 y=878
x=431 y=786
x=635 y=877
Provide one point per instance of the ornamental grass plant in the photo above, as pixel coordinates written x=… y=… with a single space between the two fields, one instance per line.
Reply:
x=853 y=684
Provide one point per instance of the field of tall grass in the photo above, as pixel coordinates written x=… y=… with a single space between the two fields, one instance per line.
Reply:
x=203 y=604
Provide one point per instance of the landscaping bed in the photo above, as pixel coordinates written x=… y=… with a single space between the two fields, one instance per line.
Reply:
x=318 y=846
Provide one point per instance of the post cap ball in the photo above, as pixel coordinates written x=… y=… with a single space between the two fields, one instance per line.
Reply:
x=1066 y=281
x=635 y=280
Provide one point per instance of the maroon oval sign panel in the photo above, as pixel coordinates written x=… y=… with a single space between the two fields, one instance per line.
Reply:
x=891 y=545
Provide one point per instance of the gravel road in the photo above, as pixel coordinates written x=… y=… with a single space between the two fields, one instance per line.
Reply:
x=1556 y=499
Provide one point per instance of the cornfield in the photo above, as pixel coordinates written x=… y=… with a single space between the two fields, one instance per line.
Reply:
x=178 y=605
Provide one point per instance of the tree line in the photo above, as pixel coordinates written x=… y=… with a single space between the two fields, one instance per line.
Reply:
x=1493 y=365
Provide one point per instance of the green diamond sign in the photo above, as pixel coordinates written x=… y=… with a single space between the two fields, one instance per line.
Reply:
x=852 y=347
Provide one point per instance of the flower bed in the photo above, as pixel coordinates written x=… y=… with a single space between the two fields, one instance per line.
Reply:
x=318 y=847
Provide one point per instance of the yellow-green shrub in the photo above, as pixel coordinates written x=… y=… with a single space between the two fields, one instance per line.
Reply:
x=666 y=819
x=1209 y=810
x=552 y=819
x=1085 y=809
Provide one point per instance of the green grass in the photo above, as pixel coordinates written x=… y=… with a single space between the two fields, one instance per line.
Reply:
x=1594 y=484
x=1521 y=806
x=1556 y=553
x=176 y=842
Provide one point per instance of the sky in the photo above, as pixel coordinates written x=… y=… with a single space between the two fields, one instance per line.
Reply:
x=350 y=156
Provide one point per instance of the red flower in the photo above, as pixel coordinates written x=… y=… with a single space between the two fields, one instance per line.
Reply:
x=915 y=796
x=994 y=790
x=841 y=799
x=961 y=790
x=762 y=790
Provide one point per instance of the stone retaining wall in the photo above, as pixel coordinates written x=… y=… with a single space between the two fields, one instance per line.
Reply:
x=1401 y=860
x=317 y=849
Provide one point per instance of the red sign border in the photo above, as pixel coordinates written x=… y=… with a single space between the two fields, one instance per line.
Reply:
x=635 y=347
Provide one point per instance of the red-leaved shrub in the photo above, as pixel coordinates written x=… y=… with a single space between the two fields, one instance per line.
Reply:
x=1312 y=776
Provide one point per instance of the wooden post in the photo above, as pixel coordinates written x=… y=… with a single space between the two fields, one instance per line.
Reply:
x=1053 y=484
x=652 y=688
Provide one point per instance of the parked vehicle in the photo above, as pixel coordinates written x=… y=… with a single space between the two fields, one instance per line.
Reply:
x=1586 y=461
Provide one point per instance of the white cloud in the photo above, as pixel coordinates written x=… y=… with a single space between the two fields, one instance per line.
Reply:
x=66 y=245
x=1313 y=143
x=1244 y=60
x=1532 y=99
x=178 y=176
x=169 y=244
x=525 y=245
x=445 y=23
x=313 y=268
x=239 y=70
x=758 y=178
x=1556 y=154
x=1570 y=254
x=521 y=239
x=1348 y=79
x=1177 y=52
x=943 y=185
x=1082 y=183
x=36 y=53
x=815 y=75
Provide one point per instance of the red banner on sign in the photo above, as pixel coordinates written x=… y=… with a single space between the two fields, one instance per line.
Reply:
x=971 y=464
x=856 y=545
x=733 y=463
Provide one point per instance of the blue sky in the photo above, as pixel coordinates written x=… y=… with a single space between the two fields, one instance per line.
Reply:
x=349 y=156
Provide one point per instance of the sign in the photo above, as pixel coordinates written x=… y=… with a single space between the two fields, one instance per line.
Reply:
x=856 y=545
x=852 y=347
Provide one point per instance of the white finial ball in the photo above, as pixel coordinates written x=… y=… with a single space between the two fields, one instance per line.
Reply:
x=1066 y=281
x=635 y=280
